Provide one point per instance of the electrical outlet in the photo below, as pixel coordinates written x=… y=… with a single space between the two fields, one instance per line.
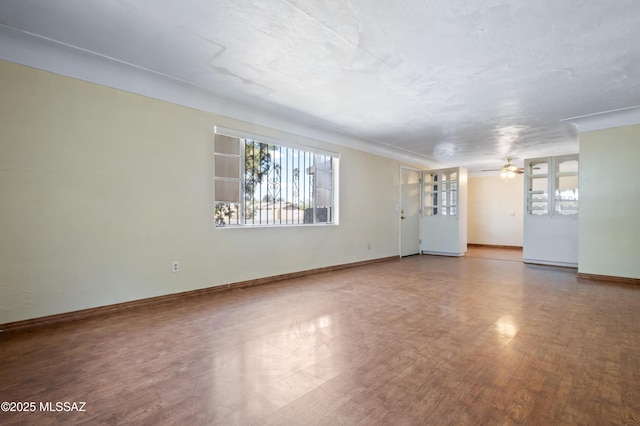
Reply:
x=175 y=266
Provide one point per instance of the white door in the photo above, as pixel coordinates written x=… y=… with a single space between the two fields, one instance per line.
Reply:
x=409 y=212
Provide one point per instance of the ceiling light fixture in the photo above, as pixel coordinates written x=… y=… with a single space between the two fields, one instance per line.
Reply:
x=508 y=170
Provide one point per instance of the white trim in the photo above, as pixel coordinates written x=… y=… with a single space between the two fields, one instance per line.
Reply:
x=444 y=253
x=275 y=225
x=605 y=119
x=550 y=263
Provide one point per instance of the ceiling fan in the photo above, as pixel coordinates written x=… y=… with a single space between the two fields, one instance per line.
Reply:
x=509 y=170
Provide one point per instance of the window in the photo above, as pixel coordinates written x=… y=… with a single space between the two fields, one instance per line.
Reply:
x=258 y=181
x=441 y=193
x=566 y=188
x=538 y=187
x=552 y=185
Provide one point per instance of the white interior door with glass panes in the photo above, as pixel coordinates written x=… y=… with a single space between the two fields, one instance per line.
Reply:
x=444 y=219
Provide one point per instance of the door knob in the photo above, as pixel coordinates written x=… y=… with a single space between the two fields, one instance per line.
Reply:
x=402 y=214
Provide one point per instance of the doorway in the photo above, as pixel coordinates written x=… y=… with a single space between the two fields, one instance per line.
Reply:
x=410 y=189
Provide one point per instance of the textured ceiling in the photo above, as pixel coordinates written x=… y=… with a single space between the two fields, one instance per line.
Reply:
x=464 y=82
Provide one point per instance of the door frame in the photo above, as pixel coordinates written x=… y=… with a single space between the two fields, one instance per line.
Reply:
x=399 y=207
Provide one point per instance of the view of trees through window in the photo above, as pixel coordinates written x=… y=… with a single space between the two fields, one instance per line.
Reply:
x=258 y=183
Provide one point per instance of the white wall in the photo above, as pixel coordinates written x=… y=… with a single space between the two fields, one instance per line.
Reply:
x=495 y=211
x=551 y=240
x=102 y=189
x=609 y=226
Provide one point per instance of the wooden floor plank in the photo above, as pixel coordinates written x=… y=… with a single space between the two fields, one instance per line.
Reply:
x=424 y=340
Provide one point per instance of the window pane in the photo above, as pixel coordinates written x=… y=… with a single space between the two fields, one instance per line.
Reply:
x=568 y=182
x=538 y=198
x=539 y=168
x=324 y=197
x=539 y=185
x=567 y=195
x=227 y=145
x=227 y=190
x=565 y=207
x=568 y=166
x=227 y=214
x=323 y=183
x=227 y=167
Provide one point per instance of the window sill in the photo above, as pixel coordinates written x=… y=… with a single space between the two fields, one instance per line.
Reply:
x=272 y=226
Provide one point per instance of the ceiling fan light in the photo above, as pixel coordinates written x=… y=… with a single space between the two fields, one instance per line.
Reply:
x=510 y=174
x=504 y=174
x=512 y=168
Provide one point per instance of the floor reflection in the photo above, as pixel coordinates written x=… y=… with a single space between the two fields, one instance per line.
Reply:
x=506 y=328
x=264 y=372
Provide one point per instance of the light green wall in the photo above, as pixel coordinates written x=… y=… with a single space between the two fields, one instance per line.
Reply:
x=101 y=189
x=609 y=222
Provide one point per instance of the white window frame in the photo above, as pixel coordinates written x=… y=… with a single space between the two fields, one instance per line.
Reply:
x=440 y=193
x=242 y=222
x=553 y=176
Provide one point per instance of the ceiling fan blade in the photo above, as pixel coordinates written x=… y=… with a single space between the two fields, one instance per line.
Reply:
x=519 y=170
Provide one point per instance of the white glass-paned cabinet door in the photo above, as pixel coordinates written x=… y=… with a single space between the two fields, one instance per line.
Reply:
x=430 y=196
x=453 y=193
x=444 y=195
x=537 y=180
x=566 y=185
x=440 y=192
x=552 y=185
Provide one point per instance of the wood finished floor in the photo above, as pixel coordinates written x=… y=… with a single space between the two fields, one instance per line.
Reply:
x=422 y=340
x=497 y=253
